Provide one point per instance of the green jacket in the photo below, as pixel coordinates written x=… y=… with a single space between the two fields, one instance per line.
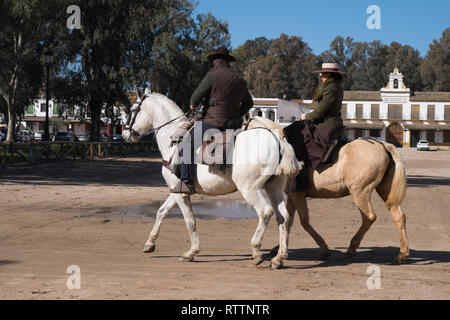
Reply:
x=329 y=97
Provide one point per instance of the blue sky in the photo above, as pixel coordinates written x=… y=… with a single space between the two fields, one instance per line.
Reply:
x=412 y=22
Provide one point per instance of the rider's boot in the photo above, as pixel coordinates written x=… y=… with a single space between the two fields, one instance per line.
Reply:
x=184 y=186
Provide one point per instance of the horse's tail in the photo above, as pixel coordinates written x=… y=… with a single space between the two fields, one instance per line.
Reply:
x=289 y=165
x=397 y=188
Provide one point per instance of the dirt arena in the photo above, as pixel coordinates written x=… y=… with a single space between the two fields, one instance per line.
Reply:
x=86 y=213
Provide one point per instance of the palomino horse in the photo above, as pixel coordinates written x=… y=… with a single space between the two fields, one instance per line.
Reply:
x=362 y=166
x=250 y=177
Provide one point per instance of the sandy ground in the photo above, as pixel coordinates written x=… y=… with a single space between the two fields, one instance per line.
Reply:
x=53 y=216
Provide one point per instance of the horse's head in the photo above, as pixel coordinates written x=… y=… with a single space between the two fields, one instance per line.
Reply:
x=139 y=122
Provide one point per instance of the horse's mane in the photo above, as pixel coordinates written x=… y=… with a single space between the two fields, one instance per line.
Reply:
x=173 y=107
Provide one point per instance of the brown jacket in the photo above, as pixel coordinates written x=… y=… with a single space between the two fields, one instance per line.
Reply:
x=228 y=95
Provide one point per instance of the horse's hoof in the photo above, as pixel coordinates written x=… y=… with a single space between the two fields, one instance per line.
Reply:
x=276 y=264
x=399 y=259
x=186 y=259
x=149 y=249
x=258 y=259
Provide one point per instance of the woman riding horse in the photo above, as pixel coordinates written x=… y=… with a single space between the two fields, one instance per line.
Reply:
x=313 y=137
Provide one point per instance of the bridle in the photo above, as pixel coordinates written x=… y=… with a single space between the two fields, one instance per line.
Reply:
x=131 y=119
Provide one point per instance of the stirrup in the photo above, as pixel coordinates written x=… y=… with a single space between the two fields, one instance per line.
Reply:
x=182 y=187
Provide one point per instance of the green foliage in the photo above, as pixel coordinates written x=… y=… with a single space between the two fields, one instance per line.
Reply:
x=21 y=32
x=435 y=69
x=281 y=68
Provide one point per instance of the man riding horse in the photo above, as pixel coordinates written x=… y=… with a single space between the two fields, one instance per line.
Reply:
x=226 y=97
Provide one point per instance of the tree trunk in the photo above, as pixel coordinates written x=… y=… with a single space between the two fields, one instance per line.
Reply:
x=10 y=136
x=12 y=89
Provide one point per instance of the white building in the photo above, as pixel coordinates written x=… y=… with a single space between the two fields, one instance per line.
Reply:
x=395 y=113
x=71 y=119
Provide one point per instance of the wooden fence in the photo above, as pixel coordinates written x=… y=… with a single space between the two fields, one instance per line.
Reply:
x=32 y=153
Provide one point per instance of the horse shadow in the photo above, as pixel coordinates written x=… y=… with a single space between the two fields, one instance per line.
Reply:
x=338 y=257
x=209 y=258
x=427 y=181
x=373 y=255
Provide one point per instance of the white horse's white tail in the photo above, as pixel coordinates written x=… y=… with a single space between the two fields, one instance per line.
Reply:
x=289 y=165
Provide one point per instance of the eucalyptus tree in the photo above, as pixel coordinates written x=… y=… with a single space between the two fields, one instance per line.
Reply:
x=435 y=69
x=23 y=25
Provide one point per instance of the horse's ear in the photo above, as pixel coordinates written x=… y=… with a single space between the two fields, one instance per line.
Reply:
x=139 y=93
x=148 y=91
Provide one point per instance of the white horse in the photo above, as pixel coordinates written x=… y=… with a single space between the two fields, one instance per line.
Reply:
x=153 y=110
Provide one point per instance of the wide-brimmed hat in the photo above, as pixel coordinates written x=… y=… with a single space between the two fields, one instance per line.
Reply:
x=331 y=68
x=221 y=53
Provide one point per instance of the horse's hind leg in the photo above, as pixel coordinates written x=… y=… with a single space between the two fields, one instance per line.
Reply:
x=184 y=202
x=400 y=222
x=362 y=201
x=297 y=201
x=284 y=219
x=150 y=245
x=265 y=211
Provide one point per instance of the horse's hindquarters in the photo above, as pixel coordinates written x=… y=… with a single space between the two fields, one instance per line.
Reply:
x=256 y=157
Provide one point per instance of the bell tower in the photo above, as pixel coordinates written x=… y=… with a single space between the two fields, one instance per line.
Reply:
x=396 y=90
x=396 y=82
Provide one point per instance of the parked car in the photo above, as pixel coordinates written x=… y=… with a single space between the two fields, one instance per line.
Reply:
x=37 y=136
x=103 y=137
x=117 y=138
x=23 y=136
x=63 y=136
x=423 y=145
x=83 y=137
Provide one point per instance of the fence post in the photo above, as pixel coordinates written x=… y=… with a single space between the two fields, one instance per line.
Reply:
x=91 y=148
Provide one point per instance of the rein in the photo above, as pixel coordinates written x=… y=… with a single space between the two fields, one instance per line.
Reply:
x=132 y=119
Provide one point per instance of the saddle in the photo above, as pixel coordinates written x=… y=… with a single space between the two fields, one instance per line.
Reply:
x=328 y=157
x=215 y=150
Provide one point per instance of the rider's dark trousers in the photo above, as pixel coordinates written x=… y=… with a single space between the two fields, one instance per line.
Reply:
x=188 y=169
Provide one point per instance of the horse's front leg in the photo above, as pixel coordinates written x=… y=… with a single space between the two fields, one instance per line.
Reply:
x=264 y=209
x=150 y=245
x=184 y=202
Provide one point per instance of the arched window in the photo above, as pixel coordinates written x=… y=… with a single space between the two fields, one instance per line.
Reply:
x=257 y=113
x=395 y=83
